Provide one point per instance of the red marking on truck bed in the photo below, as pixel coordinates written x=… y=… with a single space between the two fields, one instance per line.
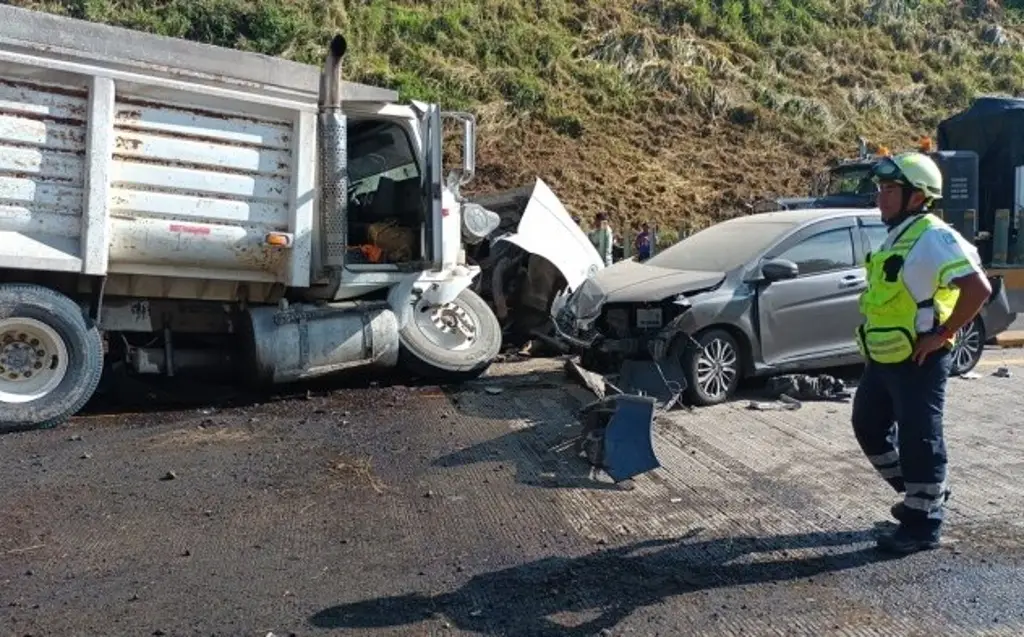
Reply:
x=178 y=227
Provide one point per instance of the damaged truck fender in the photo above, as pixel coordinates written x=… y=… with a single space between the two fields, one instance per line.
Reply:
x=446 y=331
x=547 y=230
x=428 y=286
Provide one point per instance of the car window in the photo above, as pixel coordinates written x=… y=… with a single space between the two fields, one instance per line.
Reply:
x=876 y=236
x=830 y=250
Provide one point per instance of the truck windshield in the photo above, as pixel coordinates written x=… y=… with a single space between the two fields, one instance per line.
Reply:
x=722 y=247
x=851 y=181
x=380 y=151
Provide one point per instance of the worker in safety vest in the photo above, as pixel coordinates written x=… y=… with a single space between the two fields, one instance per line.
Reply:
x=923 y=284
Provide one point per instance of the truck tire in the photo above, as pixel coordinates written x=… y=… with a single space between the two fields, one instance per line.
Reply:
x=51 y=357
x=452 y=342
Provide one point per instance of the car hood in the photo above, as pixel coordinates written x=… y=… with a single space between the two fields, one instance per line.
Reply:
x=635 y=282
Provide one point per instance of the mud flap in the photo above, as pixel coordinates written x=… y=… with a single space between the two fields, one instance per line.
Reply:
x=618 y=435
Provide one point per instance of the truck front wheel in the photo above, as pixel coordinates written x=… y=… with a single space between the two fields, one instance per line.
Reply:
x=453 y=341
x=51 y=357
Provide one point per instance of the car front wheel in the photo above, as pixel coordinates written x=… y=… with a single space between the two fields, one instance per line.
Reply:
x=970 y=345
x=712 y=365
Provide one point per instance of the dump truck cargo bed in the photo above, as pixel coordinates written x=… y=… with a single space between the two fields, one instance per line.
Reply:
x=114 y=162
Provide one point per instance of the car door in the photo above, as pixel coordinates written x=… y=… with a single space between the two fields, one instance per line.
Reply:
x=815 y=314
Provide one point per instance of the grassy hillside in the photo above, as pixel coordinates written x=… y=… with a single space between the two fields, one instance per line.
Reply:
x=666 y=110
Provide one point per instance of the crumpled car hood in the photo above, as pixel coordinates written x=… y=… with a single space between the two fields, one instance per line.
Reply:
x=633 y=282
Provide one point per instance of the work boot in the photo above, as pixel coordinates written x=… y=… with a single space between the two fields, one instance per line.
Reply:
x=904 y=542
x=899 y=509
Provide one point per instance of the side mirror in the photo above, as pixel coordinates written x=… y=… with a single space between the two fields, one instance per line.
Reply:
x=779 y=269
x=465 y=174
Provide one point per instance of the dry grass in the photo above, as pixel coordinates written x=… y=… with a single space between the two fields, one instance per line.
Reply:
x=205 y=435
x=347 y=472
x=675 y=111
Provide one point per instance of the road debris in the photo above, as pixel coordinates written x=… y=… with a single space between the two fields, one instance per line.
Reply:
x=1002 y=372
x=617 y=435
x=970 y=375
x=591 y=380
x=661 y=380
x=787 y=391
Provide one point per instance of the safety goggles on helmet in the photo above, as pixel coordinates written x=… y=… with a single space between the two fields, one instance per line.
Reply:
x=886 y=169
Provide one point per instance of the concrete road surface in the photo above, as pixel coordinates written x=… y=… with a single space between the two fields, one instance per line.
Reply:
x=417 y=511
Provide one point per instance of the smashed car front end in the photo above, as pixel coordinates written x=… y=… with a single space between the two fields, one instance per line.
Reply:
x=598 y=324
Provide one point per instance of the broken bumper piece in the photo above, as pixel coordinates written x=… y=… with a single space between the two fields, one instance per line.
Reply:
x=618 y=435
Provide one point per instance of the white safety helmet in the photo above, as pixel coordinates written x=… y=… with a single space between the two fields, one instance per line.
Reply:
x=913 y=169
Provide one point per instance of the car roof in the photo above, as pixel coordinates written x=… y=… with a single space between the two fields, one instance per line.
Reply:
x=808 y=215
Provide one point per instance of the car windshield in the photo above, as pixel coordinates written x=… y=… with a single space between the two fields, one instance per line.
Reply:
x=722 y=247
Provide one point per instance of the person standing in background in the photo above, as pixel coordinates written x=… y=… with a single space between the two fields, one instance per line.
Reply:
x=642 y=244
x=602 y=238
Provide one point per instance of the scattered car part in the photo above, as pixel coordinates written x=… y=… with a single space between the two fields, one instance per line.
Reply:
x=617 y=435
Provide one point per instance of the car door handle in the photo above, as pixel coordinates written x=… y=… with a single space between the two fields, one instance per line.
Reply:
x=851 y=282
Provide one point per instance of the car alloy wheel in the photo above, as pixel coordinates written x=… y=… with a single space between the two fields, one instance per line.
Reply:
x=970 y=344
x=717 y=368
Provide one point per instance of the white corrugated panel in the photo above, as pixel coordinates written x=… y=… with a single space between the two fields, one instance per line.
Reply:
x=195 y=187
x=42 y=148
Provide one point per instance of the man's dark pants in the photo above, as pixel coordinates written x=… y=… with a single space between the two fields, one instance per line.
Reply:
x=897 y=418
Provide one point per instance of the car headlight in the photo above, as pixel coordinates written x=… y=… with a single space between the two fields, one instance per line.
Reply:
x=586 y=303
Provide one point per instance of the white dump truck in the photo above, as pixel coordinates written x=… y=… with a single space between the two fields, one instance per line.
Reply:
x=168 y=206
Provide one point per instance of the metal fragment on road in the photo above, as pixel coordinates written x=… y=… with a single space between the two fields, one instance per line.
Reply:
x=591 y=380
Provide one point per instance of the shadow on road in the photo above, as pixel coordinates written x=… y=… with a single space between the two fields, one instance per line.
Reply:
x=123 y=394
x=612 y=584
x=543 y=455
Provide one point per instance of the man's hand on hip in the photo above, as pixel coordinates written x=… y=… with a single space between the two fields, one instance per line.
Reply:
x=926 y=344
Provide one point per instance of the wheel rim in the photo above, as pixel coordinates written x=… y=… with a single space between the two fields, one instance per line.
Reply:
x=717 y=368
x=968 y=342
x=449 y=326
x=33 y=360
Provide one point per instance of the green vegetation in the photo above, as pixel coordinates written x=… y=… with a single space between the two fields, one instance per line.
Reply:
x=668 y=110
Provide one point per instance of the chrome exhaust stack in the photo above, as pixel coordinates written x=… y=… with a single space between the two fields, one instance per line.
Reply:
x=332 y=146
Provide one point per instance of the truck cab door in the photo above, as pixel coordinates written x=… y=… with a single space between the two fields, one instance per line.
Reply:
x=432 y=184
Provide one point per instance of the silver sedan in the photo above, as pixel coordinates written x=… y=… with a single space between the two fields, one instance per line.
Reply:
x=752 y=296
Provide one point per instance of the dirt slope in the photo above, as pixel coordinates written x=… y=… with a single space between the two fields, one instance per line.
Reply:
x=665 y=110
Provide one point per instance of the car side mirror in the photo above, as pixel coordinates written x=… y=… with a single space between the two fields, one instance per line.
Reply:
x=779 y=269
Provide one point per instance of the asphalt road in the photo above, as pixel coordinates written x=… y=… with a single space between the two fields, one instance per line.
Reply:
x=417 y=511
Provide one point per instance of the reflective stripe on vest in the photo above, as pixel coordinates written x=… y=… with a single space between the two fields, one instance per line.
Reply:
x=889 y=331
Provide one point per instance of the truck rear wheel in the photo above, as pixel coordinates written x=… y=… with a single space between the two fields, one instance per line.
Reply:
x=454 y=341
x=51 y=357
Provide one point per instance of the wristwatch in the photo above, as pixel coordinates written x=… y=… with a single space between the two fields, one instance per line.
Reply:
x=944 y=332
